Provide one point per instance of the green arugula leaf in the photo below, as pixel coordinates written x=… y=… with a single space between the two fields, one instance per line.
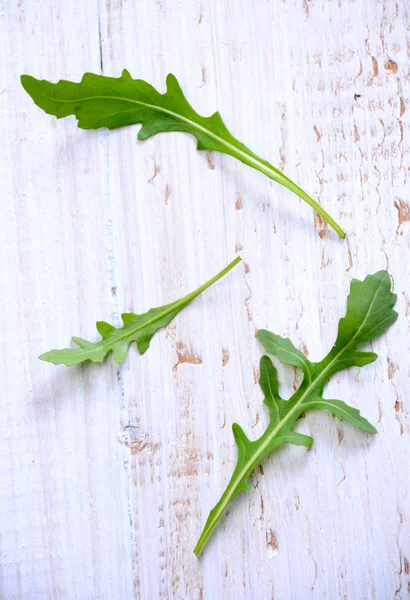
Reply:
x=99 y=101
x=369 y=313
x=137 y=328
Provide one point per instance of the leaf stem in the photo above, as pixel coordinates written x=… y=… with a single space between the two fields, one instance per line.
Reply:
x=232 y=488
x=270 y=171
x=293 y=187
x=208 y=284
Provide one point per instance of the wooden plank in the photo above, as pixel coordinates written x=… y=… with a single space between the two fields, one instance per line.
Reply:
x=108 y=473
x=64 y=519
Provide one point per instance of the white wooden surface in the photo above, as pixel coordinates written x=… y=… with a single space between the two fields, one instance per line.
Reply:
x=107 y=474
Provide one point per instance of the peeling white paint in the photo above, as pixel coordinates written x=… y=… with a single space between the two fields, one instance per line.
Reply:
x=107 y=473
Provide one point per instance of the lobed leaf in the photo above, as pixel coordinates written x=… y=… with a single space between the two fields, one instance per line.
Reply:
x=369 y=313
x=136 y=328
x=99 y=101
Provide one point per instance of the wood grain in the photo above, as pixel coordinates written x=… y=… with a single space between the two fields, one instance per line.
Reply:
x=108 y=473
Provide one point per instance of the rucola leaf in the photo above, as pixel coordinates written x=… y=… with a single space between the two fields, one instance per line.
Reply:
x=136 y=328
x=369 y=313
x=99 y=101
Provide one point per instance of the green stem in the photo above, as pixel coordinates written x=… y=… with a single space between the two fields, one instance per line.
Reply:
x=276 y=175
x=231 y=490
x=208 y=284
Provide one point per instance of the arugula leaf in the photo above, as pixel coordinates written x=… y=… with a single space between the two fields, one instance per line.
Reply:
x=99 y=101
x=137 y=328
x=369 y=313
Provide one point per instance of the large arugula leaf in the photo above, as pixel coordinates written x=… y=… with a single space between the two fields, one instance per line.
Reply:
x=369 y=313
x=99 y=101
x=136 y=328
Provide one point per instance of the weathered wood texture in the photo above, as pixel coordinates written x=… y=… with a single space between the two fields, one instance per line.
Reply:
x=107 y=474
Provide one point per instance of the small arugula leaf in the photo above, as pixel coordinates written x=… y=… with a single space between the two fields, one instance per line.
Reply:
x=297 y=439
x=99 y=101
x=284 y=350
x=136 y=328
x=342 y=411
x=369 y=313
x=269 y=383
